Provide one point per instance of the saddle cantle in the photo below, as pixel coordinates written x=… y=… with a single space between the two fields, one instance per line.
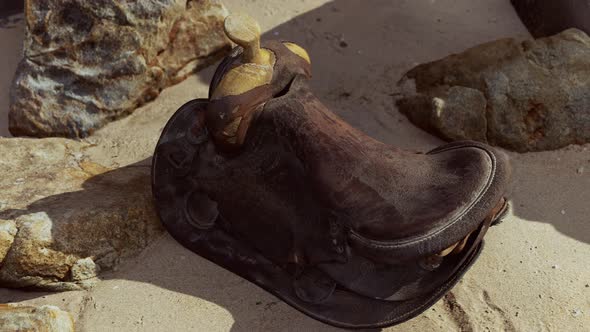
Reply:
x=263 y=180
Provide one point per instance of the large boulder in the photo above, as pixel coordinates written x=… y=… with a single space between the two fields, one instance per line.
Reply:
x=523 y=96
x=87 y=63
x=44 y=318
x=65 y=217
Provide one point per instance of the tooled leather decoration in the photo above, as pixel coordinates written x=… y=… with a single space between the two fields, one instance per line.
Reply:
x=263 y=180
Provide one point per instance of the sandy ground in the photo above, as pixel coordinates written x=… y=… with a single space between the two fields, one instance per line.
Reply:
x=534 y=273
x=11 y=35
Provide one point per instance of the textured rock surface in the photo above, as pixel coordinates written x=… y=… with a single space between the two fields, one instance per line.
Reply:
x=523 y=96
x=87 y=63
x=64 y=217
x=43 y=319
x=7 y=232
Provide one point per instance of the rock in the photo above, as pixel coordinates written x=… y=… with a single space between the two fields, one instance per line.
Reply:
x=523 y=96
x=84 y=269
x=7 y=232
x=71 y=216
x=87 y=63
x=458 y=114
x=44 y=318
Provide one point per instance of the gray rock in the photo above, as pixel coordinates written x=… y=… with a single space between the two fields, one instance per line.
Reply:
x=87 y=63
x=44 y=318
x=523 y=96
x=84 y=269
x=71 y=217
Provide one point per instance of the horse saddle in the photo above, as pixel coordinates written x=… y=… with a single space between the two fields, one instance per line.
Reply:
x=263 y=180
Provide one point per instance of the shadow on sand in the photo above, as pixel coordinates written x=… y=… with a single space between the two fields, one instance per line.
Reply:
x=366 y=57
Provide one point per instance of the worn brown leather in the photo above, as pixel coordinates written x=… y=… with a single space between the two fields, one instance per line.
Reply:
x=337 y=224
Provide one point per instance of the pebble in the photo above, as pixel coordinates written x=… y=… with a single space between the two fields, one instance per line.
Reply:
x=576 y=312
x=555 y=267
x=580 y=170
x=562 y=211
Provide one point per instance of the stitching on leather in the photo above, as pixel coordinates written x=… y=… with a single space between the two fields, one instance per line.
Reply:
x=414 y=241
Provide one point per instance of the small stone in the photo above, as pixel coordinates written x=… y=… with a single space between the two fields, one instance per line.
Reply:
x=577 y=312
x=555 y=267
x=563 y=212
x=84 y=269
x=580 y=170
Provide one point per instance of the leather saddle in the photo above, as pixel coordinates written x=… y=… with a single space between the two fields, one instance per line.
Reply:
x=263 y=180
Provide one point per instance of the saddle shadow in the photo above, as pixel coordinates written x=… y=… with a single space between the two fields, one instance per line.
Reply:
x=553 y=188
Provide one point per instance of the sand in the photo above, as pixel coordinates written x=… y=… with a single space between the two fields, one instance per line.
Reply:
x=12 y=32
x=534 y=273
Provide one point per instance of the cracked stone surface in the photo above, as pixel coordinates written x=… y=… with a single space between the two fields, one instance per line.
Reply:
x=532 y=95
x=87 y=63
